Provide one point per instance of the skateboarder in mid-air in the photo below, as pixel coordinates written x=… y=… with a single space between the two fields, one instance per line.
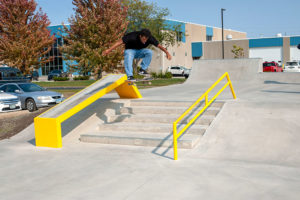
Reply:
x=135 y=47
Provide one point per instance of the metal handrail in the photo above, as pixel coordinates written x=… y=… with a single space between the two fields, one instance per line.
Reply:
x=207 y=103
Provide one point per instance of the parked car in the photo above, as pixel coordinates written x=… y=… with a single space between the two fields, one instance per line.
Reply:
x=34 y=75
x=10 y=74
x=176 y=70
x=293 y=66
x=56 y=73
x=32 y=96
x=9 y=102
x=187 y=72
x=271 y=67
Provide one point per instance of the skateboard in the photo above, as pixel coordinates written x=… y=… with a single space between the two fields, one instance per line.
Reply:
x=139 y=80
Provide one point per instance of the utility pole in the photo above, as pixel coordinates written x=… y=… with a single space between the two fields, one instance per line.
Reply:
x=222 y=10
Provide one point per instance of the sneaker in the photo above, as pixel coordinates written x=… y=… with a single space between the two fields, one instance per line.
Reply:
x=143 y=72
x=130 y=78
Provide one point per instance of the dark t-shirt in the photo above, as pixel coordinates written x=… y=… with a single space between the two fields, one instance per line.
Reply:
x=132 y=41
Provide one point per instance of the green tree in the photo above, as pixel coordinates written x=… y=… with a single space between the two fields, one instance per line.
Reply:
x=97 y=24
x=238 y=51
x=24 y=37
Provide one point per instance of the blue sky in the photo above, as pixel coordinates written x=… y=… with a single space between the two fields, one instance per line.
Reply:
x=259 y=18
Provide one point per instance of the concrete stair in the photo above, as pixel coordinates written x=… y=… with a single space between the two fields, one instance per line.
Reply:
x=149 y=123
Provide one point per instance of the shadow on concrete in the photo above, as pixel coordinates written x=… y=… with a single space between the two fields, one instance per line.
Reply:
x=99 y=108
x=285 y=92
x=170 y=147
x=281 y=83
x=32 y=141
x=167 y=149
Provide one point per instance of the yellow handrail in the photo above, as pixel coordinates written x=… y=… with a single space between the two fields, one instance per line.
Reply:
x=207 y=103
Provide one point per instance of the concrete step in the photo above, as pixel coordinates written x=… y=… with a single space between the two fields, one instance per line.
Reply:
x=149 y=123
x=185 y=104
x=141 y=139
x=158 y=118
x=150 y=127
x=164 y=110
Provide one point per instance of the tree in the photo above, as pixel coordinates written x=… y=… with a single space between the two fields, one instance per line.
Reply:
x=97 y=24
x=24 y=37
x=238 y=51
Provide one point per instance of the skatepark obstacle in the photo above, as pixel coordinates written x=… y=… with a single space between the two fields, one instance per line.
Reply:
x=207 y=104
x=48 y=125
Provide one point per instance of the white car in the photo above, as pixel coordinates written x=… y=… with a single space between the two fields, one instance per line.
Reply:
x=9 y=102
x=293 y=66
x=176 y=70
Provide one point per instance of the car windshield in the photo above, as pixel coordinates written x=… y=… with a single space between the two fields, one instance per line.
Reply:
x=30 y=87
x=291 y=63
x=268 y=64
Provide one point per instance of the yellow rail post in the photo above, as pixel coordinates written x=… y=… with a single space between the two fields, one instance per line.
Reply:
x=175 y=140
x=230 y=85
x=207 y=104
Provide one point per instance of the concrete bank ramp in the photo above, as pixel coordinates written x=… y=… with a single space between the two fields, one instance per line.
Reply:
x=240 y=71
x=211 y=70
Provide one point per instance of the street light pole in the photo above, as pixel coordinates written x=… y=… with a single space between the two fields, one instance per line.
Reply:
x=222 y=10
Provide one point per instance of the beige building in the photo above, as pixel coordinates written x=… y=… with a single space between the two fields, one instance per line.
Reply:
x=279 y=49
x=182 y=51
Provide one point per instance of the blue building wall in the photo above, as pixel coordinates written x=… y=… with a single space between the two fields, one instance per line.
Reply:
x=170 y=24
x=265 y=42
x=294 y=41
x=57 y=31
x=197 y=49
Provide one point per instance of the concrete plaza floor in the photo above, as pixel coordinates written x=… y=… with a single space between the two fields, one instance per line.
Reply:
x=250 y=151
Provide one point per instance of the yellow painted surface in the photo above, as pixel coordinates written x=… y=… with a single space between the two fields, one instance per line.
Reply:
x=128 y=90
x=48 y=130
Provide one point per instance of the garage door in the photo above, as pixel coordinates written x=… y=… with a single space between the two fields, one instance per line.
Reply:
x=295 y=53
x=266 y=53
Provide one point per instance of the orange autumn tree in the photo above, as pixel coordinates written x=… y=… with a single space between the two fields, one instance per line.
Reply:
x=24 y=37
x=97 y=24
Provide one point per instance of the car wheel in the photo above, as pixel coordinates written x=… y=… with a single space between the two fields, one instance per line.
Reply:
x=30 y=105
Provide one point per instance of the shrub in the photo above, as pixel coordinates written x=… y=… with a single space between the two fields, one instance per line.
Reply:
x=60 y=78
x=81 y=78
x=167 y=75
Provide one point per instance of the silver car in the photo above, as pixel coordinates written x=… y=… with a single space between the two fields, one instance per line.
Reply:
x=32 y=96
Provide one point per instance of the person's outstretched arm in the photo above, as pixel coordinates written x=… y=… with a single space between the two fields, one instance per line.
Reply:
x=117 y=44
x=169 y=57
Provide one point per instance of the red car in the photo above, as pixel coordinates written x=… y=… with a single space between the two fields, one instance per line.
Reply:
x=271 y=67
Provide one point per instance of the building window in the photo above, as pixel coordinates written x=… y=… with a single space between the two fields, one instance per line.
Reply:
x=209 y=38
x=185 y=53
x=179 y=37
x=57 y=62
x=173 y=53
